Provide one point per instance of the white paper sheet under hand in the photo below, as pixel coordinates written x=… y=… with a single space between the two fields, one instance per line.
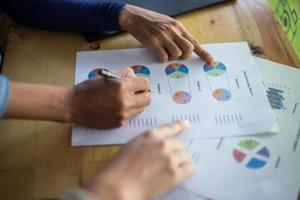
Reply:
x=226 y=99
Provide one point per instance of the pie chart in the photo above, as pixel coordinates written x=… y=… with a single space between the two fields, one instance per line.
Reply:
x=141 y=70
x=251 y=154
x=216 y=69
x=182 y=97
x=94 y=73
x=222 y=94
x=176 y=70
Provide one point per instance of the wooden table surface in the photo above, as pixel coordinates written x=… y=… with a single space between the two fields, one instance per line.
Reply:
x=36 y=159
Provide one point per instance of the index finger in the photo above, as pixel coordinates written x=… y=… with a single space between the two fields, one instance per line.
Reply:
x=128 y=72
x=171 y=130
x=203 y=54
x=138 y=84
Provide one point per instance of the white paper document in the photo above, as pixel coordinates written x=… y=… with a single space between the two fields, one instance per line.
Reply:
x=256 y=167
x=226 y=99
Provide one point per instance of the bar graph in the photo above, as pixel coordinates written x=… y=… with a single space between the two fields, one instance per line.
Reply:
x=276 y=98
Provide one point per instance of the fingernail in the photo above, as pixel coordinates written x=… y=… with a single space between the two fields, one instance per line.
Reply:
x=186 y=123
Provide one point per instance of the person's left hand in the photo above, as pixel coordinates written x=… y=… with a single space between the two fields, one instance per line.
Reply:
x=166 y=36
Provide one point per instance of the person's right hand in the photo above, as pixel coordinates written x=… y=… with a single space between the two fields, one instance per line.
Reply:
x=149 y=165
x=168 y=37
x=108 y=103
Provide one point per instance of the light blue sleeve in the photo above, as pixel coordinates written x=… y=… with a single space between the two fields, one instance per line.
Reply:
x=4 y=94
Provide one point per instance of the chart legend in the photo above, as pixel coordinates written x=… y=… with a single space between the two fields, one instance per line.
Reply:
x=251 y=154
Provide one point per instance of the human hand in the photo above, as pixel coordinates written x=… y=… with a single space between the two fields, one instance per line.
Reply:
x=149 y=165
x=166 y=36
x=108 y=103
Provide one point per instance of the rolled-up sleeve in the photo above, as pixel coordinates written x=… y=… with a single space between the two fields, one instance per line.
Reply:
x=4 y=94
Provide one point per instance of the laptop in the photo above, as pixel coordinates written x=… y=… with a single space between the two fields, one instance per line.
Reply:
x=167 y=7
x=172 y=7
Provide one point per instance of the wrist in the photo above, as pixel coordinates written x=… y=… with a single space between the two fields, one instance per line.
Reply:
x=65 y=104
x=125 y=17
x=43 y=102
x=104 y=189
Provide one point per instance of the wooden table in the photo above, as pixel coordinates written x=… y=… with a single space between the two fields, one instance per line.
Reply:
x=36 y=159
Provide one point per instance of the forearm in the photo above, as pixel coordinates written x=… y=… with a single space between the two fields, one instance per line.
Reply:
x=65 y=15
x=42 y=102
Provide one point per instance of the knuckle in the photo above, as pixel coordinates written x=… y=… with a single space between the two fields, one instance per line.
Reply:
x=160 y=36
x=169 y=28
x=176 y=23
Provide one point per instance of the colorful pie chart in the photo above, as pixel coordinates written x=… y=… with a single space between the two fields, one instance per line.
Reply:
x=176 y=70
x=182 y=97
x=141 y=70
x=251 y=154
x=222 y=94
x=94 y=73
x=216 y=69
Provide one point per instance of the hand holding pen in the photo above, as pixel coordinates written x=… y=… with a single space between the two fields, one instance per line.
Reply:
x=103 y=103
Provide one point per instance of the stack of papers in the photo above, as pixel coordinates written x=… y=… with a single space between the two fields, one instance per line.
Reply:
x=256 y=167
x=235 y=108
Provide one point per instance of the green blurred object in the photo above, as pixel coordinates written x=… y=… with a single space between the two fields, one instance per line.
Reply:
x=288 y=15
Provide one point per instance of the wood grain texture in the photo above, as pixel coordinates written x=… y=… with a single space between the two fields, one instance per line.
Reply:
x=36 y=160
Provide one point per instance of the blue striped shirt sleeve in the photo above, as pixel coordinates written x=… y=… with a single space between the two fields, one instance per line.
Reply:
x=4 y=94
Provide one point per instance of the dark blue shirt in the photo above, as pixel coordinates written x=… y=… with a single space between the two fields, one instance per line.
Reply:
x=82 y=16
x=65 y=15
